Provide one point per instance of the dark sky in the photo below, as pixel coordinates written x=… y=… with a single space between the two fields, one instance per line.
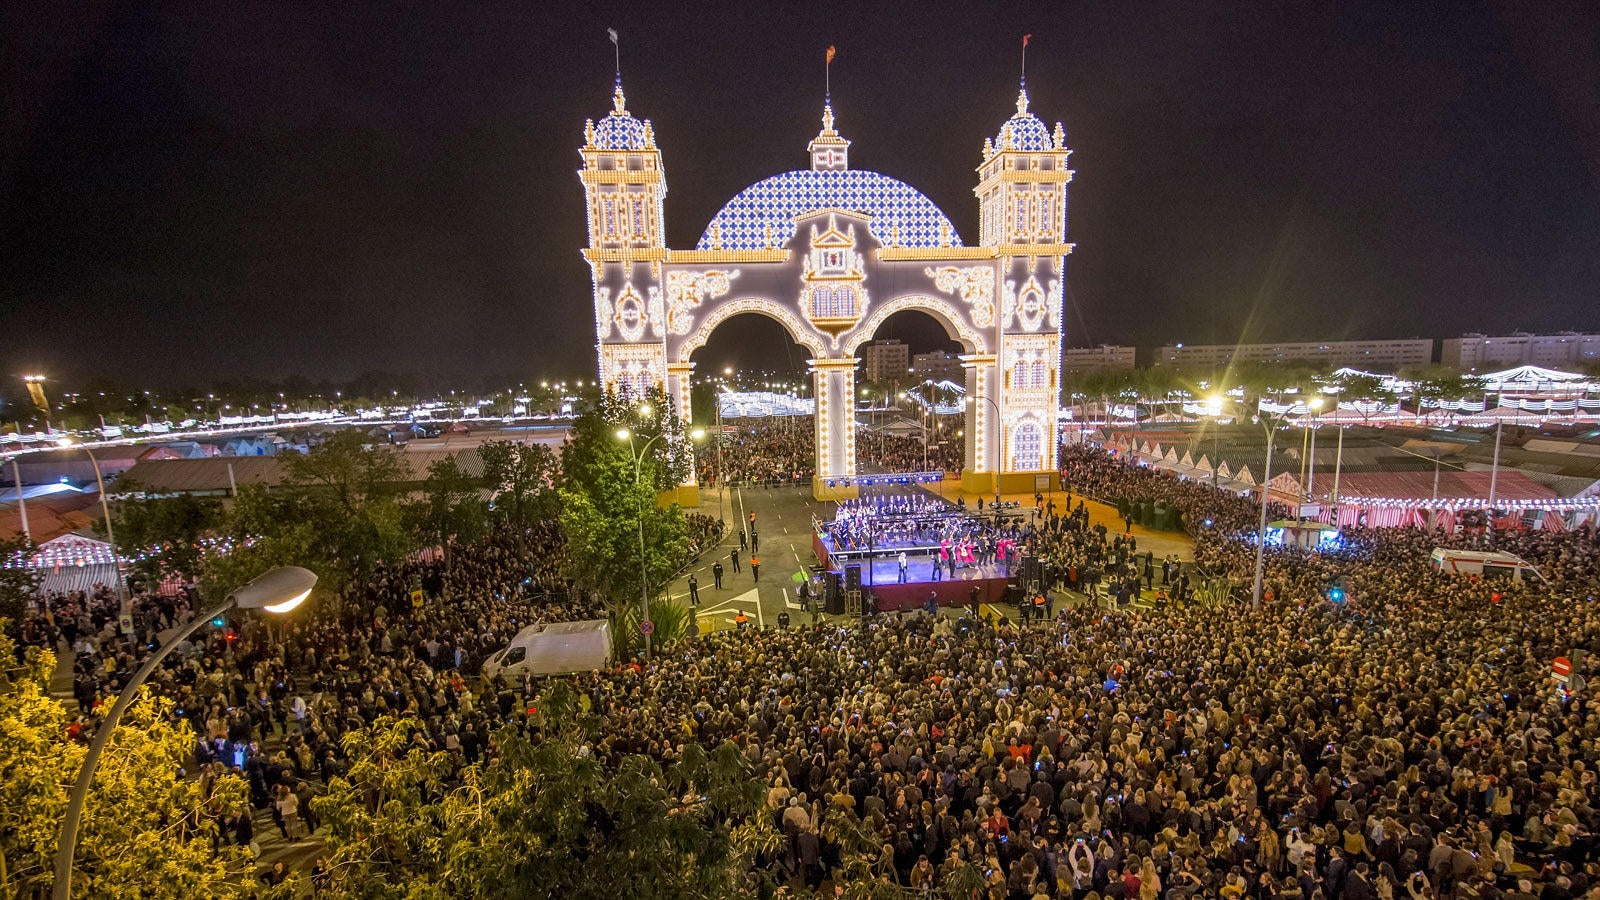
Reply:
x=190 y=189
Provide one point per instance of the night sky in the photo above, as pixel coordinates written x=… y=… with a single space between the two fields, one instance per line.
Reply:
x=196 y=189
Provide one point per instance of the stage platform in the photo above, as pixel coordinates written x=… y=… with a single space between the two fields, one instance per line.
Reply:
x=884 y=583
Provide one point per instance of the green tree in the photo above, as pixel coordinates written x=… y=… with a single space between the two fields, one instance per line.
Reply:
x=349 y=493
x=354 y=474
x=521 y=479
x=338 y=513
x=1364 y=389
x=608 y=492
x=146 y=829
x=1441 y=385
x=451 y=506
x=176 y=526
x=544 y=816
x=18 y=584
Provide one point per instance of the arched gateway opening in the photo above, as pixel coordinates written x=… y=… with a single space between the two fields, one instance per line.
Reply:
x=831 y=253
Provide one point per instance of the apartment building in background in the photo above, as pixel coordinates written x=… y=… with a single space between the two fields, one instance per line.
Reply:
x=1079 y=361
x=1478 y=352
x=885 y=361
x=1373 y=356
x=938 y=366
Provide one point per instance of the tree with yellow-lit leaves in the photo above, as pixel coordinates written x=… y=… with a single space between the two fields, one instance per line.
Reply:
x=146 y=830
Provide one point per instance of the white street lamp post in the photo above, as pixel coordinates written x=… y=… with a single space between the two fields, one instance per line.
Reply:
x=1271 y=426
x=624 y=434
x=279 y=590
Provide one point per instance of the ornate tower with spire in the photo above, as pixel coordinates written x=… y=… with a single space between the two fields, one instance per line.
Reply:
x=624 y=188
x=829 y=151
x=1022 y=197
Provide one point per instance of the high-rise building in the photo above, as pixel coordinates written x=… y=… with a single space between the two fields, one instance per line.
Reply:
x=1104 y=358
x=1376 y=356
x=937 y=366
x=1477 y=352
x=885 y=361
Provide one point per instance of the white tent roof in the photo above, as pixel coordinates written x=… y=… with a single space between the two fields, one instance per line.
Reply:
x=1529 y=376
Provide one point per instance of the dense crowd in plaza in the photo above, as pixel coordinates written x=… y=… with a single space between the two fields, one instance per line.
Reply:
x=1095 y=473
x=300 y=687
x=779 y=451
x=879 y=451
x=783 y=451
x=1406 y=741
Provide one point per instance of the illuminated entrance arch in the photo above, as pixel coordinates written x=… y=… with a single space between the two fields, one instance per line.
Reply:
x=830 y=253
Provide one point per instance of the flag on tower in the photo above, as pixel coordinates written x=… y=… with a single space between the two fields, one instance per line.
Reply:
x=831 y=52
x=1025 y=38
x=613 y=33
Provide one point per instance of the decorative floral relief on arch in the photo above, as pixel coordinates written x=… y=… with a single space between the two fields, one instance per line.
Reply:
x=687 y=290
x=631 y=315
x=975 y=285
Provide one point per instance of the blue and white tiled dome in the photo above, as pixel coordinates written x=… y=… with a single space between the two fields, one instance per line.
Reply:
x=1023 y=131
x=900 y=213
x=619 y=130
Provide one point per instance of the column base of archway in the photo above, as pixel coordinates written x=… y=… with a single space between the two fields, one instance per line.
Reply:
x=980 y=483
x=685 y=495
x=821 y=490
x=1029 y=482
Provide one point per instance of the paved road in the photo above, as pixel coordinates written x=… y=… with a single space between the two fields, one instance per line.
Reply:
x=783 y=523
x=783 y=528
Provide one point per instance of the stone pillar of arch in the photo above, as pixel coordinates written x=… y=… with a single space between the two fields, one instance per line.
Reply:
x=982 y=466
x=680 y=377
x=834 y=381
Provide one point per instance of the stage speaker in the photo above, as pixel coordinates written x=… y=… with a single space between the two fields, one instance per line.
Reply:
x=852 y=578
x=1030 y=569
x=835 y=595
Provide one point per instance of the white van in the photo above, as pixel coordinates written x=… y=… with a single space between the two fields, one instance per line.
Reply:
x=1486 y=564
x=558 y=648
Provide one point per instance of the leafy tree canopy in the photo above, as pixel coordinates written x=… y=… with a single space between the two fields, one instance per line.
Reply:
x=146 y=829
x=608 y=495
x=543 y=817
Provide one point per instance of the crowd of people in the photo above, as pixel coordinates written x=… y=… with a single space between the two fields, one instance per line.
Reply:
x=884 y=452
x=768 y=452
x=1401 y=738
x=783 y=451
x=1096 y=473
x=274 y=704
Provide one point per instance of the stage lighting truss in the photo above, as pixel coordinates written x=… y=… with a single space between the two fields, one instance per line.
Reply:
x=889 y=479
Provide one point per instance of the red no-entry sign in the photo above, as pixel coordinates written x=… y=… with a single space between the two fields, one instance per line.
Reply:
x=1561 y=668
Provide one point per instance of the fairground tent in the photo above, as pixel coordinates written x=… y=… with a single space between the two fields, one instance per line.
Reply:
x=72 y=562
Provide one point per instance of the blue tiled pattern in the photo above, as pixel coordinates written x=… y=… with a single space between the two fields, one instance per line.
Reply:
x=1023 y=131
x=619 y=131
x=776 y=201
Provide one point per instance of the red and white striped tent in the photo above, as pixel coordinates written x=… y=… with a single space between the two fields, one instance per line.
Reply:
x=1393 y=499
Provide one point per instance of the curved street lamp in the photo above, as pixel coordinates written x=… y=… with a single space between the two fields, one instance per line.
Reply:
x=623 y=434
x=278 y=590
x=105 y=509
x=1271 y=423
